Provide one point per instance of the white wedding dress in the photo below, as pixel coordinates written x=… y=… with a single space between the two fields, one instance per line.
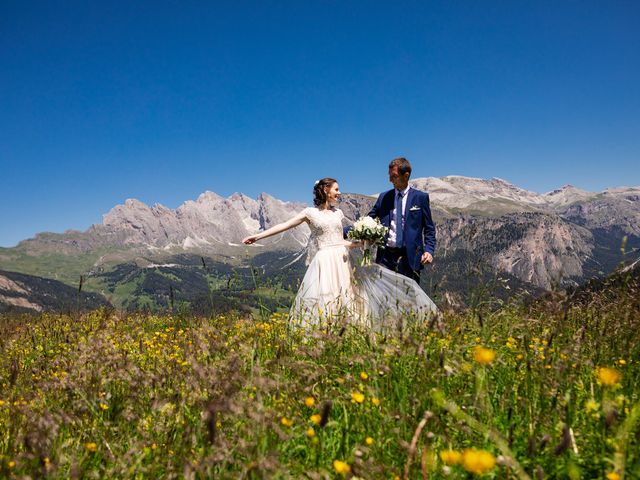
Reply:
x=336 y=289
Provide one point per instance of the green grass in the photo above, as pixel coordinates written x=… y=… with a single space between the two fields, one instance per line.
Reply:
x=143 y=396
x=63 y=267
x=124 y=291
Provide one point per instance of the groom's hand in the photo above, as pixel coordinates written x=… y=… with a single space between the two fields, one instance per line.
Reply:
x=426 y=258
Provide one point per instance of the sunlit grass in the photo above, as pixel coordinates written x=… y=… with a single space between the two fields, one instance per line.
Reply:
x=516 y=393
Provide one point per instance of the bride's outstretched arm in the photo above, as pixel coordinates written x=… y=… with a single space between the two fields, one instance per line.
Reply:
x=281 y=227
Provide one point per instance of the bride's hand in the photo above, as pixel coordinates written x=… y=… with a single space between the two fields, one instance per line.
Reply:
x=356 y=244
x=250 y=240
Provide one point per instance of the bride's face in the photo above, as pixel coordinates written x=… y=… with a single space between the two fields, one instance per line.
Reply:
x=333 y=193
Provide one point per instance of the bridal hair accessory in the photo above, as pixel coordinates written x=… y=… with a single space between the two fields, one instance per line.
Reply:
x=317 y=182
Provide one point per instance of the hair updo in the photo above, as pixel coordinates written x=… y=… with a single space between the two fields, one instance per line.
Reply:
x=319 y=190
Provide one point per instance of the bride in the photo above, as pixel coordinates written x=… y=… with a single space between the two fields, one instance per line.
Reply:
x=335 y=288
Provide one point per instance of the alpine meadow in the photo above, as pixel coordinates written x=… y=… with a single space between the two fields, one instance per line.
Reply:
x=543 y=390
x=518 y=378
x=319 y=240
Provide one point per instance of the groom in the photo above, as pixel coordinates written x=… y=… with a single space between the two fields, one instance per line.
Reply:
x=411 y=241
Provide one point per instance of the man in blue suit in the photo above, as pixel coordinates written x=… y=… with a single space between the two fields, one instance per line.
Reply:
x=411 y=241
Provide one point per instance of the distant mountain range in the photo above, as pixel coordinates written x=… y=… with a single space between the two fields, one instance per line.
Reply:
x=490 y=232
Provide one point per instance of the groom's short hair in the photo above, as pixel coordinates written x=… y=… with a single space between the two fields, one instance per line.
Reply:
x=403 y=165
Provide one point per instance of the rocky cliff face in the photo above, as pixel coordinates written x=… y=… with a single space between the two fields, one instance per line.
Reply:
x=617 y=208
x=536 y=248
x=497 y=197
x=494 y=195
x=207 y=222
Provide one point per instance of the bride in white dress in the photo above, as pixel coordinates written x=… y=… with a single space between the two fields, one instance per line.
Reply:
x=336 y=289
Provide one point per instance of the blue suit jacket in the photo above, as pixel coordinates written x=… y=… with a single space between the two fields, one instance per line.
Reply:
x=419 y=229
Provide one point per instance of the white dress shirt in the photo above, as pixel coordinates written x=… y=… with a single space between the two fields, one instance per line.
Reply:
x=391 y=239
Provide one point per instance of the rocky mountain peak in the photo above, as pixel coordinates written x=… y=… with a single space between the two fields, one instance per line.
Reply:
x=566 y=195
x=265 y=197
x=241 y=197
x=135 y=204
x=129 y=211
x=209 y=197
x=208 y=222
x=495 y=195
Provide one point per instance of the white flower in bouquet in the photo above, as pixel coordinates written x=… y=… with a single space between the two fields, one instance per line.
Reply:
x=368 y=229
x=371 y=232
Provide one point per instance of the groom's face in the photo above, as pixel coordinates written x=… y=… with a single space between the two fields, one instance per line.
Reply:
x=400 y=182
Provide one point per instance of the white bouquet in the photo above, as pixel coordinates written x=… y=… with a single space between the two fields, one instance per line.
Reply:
x=371 y=232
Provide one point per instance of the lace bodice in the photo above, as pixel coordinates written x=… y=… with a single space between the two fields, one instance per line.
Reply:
x=326 y=229
x=326 y=226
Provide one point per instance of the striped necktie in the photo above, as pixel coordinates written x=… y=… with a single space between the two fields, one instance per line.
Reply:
x=399 y=221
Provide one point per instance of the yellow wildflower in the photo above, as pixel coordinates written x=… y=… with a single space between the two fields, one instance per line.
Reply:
x=357 y=397
x=478 y=461
x=316 y=418
x=340 y=380
x=12 y=464
x=608 y=377
x=364 y=375
x=286 y=422
x=375 y=401
x=104 y=406
x=622 y=361
x=311 y=432
x=450 y=457
x=91 y=446
x=483 y=356
x=591 y=405
x=369 y=441
x=309 y=401
x=613 y=476
x=341 y=467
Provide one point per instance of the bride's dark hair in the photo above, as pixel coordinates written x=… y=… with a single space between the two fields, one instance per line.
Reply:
x=319 y=193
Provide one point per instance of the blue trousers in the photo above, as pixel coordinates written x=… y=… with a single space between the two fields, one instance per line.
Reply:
x=396 y=259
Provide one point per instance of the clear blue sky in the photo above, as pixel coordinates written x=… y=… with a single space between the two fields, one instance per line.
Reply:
x=160 y=101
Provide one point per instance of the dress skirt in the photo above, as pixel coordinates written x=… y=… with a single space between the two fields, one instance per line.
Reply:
x=336 y=289
x=326 y=294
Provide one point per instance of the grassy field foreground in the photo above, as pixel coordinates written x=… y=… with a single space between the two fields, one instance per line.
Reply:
x=519 y=393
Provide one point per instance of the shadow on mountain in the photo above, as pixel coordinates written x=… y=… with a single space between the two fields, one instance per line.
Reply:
x=21 y=293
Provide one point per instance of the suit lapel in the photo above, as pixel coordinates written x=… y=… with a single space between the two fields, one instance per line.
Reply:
x=391 y=205
x=407 y=208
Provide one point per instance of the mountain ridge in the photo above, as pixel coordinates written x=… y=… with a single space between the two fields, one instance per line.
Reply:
x=449 y=193
x=561 y=237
